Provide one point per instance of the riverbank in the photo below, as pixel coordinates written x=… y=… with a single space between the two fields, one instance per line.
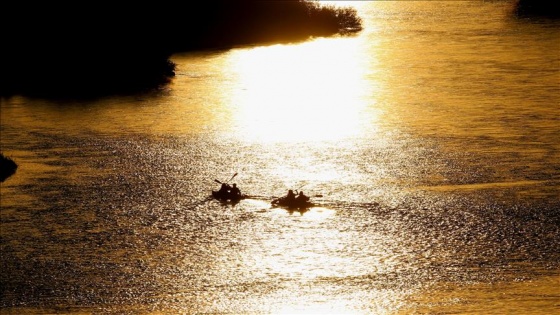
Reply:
x=7 y=167
x=60 y=51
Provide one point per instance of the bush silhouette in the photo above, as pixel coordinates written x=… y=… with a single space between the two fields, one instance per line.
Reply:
x=7 y=167
x=77 y=49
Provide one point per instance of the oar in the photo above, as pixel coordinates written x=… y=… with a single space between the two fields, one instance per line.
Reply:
x=300 y=187
x=219 y=182
x=232 y=177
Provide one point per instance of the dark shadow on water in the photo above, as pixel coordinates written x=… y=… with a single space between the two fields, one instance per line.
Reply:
x=299 y=211
x=293 y=209
x=228 y=203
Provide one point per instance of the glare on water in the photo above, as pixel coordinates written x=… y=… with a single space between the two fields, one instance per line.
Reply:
x=298 y=93
x=428 y=144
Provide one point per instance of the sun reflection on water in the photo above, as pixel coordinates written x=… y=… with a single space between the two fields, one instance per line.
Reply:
x=313 y=91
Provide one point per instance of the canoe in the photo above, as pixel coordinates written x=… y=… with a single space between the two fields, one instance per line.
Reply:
x=294 y=204
x=227 y=197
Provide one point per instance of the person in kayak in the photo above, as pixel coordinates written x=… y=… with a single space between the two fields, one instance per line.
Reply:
x=234 y=192
x=224 y=190
x=301 y=198
x=288 y=199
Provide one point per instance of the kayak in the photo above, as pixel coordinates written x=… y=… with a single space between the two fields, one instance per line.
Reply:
x=226 y=197
x=293 y=204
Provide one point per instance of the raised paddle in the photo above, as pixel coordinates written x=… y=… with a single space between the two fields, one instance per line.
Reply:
x=300 y=187
x=232 y=177
x=219 y=182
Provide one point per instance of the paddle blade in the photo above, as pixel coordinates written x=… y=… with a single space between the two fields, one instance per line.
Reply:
x=217 y=181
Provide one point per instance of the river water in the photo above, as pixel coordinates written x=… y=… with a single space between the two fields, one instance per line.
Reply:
x=429 y=143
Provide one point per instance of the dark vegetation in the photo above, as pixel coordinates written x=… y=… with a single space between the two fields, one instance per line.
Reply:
x=541 y=8
x=7 y=167
x=81 y=49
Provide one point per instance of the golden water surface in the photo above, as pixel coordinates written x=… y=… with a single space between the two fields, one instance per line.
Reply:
x=428 y=142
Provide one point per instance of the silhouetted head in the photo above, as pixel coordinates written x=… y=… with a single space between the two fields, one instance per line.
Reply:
x=234 y=185
x=301 y=193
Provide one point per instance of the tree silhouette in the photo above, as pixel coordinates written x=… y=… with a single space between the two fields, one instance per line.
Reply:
x=92 y=48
